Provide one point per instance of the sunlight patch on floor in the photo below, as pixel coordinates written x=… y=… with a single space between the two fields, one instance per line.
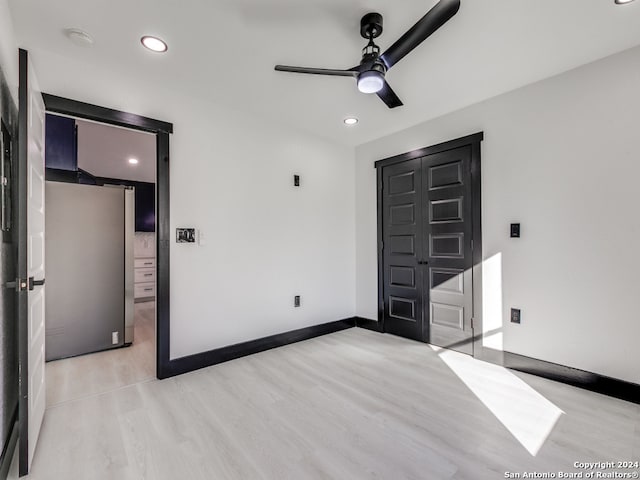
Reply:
x=529 y=416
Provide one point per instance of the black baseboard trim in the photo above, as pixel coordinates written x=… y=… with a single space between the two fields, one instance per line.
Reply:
x=489 y=355
x=368 y=324
x=197 y=361
x=9 y=447
x=593 y=382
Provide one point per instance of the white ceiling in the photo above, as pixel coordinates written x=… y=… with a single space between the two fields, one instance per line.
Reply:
x=104 y=151
x=226 y=49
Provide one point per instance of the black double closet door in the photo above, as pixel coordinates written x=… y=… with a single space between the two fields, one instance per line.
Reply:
x=427 y=246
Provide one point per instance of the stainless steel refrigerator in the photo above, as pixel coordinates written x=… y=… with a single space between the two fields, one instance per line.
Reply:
x=89 y=263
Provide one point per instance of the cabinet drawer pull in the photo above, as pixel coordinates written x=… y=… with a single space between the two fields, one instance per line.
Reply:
x=148 y=289
x=148 y=263
x=148 y=274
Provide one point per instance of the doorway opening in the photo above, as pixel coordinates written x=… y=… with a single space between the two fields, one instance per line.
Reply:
x=100 y=257
x=161 y=130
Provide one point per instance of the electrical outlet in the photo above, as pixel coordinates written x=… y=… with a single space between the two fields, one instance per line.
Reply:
x=114 y=338
x=515 y=230
x=296 y=180
x=296 y=301
x=515 y=315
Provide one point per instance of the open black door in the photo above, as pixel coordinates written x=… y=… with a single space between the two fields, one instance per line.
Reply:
x=8 y=259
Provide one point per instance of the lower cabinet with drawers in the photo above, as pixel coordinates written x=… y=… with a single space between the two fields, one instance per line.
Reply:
x=145 y=278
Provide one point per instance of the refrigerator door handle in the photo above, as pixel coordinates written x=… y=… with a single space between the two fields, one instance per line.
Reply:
x=129 y=276
x=35 y=283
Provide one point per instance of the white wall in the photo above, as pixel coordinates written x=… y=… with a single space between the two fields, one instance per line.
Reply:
x=560 y=157
x=232 y=177
x=8 y=49
x=266 y=240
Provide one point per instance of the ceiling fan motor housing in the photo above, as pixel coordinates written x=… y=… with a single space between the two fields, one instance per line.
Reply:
x=371 y=25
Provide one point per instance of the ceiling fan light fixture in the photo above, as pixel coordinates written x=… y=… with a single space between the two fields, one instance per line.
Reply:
x=370 y=82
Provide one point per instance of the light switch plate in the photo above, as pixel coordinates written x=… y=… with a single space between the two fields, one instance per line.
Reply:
x=185 y=235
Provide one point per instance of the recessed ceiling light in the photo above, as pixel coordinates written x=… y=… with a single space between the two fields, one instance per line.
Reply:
x=350 y=121
x=154 y=44
x=622 y=2
x=79 y=37
x=133 y=161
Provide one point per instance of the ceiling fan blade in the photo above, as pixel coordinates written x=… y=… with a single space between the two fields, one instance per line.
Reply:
x=432 y=21
x=388 y=96
x=317 y=71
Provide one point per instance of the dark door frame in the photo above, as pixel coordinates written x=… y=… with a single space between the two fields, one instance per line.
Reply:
x=9 y=123
x=474 y=142
x=162 y=130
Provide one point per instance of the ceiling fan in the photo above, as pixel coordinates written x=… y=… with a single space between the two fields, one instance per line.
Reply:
x=373 y=67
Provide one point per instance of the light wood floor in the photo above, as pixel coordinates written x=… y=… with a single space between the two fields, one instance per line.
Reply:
x=77 y=377
x=350 y=405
